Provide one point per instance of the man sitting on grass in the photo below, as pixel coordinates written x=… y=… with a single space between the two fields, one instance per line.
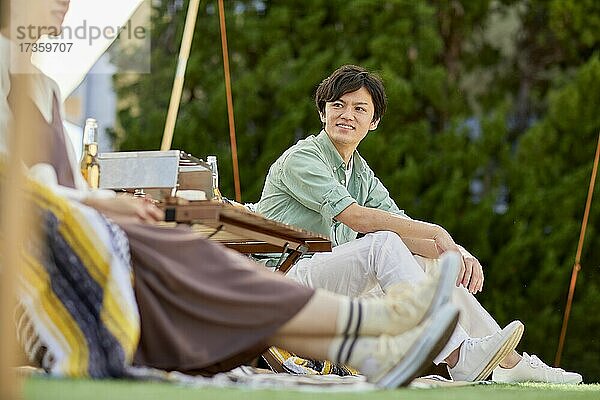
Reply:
x=322 y=184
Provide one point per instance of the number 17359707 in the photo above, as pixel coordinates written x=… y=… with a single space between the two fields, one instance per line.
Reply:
x=45 y=47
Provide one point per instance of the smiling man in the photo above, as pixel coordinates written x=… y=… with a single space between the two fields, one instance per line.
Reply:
x=322 y=184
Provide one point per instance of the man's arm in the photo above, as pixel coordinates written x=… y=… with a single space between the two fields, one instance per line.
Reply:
x=420 y=237
x=366 y=220
x=422 y=247
x=379 y=198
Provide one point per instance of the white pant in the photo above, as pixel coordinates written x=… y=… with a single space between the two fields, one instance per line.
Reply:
x=377 y=261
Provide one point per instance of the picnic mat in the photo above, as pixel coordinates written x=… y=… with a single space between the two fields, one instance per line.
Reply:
x=257 y=378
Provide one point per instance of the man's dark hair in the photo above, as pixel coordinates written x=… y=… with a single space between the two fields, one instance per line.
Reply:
x=347 y=79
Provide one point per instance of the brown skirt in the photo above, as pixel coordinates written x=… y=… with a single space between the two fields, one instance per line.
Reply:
x=204 y=308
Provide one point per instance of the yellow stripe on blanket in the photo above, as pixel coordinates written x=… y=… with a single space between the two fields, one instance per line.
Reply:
x=59 y=320
x=122 y=324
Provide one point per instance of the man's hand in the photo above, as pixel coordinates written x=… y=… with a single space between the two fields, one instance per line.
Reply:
x=471 y=271
x=127 y=206
x=471 y=275
x=444 y=242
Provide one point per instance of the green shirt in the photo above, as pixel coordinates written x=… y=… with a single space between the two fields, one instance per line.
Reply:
x=306 y=187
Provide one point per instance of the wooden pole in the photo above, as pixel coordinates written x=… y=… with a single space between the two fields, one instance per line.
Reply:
x=234 y=157
x=577 y=265
x=16 y=227
x=184 y=53
x=6 y=283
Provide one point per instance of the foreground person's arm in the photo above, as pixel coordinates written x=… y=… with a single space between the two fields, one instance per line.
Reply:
x=126 y=207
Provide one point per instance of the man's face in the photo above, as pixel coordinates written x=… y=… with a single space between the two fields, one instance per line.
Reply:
x=349 y=119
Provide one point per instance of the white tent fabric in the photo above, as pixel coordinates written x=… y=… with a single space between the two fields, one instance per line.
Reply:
x=91 y=27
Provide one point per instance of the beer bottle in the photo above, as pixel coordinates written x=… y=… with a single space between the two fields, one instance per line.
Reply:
x=89 y=156
x=212 y=162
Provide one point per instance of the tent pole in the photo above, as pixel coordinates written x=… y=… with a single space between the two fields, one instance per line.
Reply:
x=184 y=53
x=234 y=157
x=577 y=265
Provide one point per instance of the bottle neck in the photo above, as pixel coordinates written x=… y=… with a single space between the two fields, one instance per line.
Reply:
x=90 y=133
x=90 y=149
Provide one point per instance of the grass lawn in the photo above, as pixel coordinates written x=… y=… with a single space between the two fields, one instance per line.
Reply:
x=53 y=389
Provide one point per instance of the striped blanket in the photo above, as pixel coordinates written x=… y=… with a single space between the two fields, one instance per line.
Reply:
x=76 y=314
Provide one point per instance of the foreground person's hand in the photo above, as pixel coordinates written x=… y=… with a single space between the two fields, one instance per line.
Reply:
x=127 y=206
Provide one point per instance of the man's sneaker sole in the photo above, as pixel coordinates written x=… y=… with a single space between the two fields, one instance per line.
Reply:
x=488 y=366
x=449 y=267
x=422 y=353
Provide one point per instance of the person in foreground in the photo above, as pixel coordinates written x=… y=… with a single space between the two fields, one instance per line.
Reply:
x=192 y=306
x=322 y=184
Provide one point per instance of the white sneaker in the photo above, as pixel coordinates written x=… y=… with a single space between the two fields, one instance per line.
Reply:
x=479 y=356
x=409 y=306
x=532 y=369
x=401 y=358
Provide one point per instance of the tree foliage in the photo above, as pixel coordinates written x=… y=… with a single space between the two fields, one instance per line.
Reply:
x=491 y=129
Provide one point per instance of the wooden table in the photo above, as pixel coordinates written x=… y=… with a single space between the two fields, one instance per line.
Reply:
x=247 y=232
